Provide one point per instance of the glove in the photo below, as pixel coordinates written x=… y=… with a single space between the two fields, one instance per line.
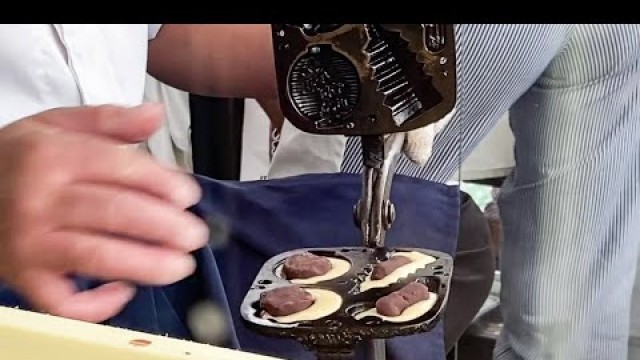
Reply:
x=418 y=144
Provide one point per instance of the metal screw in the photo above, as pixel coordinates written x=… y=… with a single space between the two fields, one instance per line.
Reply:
x=389 y=214
x=356 y=214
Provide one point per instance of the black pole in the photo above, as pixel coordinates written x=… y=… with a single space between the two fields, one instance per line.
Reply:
x=216 y=136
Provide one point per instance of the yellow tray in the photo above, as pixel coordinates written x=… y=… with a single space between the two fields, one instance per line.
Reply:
x=26 y=335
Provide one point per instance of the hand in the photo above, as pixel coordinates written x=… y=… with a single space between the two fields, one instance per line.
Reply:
x=418 y=145
x=75 y=199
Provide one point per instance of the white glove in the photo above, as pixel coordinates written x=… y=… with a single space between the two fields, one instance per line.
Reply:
x=418 y=144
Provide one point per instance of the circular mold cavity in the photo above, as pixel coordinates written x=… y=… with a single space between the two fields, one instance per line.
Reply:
x=326 y=302
x=339 y=267
x=324 y=86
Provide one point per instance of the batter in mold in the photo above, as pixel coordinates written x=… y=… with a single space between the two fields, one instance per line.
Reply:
x=292 y=304
x=407 y=304
x=409 y=263
x=307 y=268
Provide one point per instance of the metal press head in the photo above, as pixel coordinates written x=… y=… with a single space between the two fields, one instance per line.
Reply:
x=374 y=213
x=364 y=79
x=367 y=80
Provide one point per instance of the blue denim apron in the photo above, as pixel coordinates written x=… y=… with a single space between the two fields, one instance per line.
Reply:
x=273 y=216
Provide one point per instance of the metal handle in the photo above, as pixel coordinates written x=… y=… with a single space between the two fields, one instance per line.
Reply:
x=374 y=212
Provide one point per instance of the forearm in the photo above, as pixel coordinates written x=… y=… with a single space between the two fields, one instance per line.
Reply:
x=215 y=60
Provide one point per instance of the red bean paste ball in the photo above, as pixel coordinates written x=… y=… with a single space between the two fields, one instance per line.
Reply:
x=305 y=265
x=286 y=300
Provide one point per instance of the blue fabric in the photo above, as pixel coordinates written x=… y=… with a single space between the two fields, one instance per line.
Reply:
x=160 y=310
x=269 y=217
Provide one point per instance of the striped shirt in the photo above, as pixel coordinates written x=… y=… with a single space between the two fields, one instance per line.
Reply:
x=571 y=207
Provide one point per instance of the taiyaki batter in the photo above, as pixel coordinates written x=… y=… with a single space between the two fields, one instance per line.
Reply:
x=416 y=260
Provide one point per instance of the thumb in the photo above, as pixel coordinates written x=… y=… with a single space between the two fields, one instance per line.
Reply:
x=59 y=297
x=129 y=125
x=418 y=144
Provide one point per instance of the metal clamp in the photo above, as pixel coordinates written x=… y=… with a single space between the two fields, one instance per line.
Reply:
x=374 y=213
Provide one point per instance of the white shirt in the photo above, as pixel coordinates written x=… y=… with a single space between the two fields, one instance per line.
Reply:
x=297 y=152
x=493 y=156
x=171 y=144
x=44 y=66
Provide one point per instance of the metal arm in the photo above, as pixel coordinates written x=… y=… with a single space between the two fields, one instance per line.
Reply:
x=374 y=212
x=382 y=80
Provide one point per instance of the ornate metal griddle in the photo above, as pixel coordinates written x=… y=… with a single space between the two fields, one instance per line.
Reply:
x=375 y=81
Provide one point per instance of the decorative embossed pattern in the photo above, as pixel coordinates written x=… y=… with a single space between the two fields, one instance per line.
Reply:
x=364 y=79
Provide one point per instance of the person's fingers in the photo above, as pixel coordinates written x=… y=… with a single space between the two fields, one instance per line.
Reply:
x=128 y=125
x=109 y=258
x=96 y=161
x=130 y=214
x=57 y=295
